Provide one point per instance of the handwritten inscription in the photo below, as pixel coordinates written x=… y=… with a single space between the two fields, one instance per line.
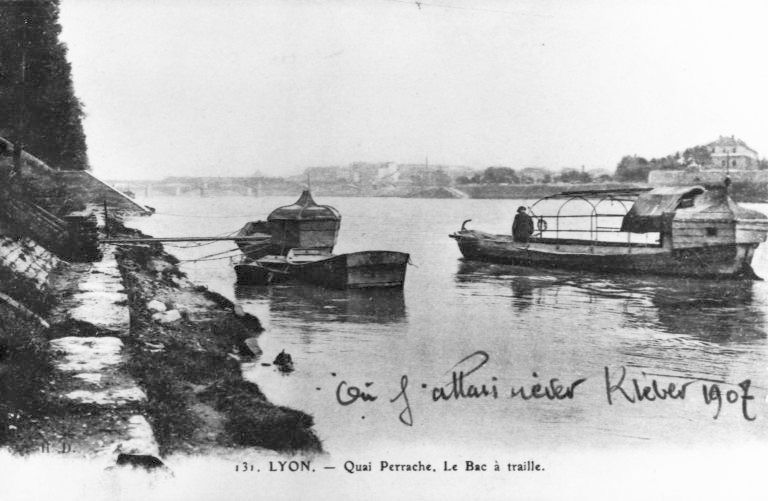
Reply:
x=466 y=382
x=347 y=394
x=713 y=394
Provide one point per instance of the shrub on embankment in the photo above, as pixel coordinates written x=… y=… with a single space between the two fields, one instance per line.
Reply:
x=26 y=291
x=25 y=369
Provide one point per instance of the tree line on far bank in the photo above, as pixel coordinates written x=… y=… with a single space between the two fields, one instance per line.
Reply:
x=631 y=168
x=507 y=175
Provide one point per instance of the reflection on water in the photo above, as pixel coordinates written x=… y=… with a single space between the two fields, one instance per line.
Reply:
x=712 y=310
x=316 y=304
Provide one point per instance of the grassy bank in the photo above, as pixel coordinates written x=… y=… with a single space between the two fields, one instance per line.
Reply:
x=190 y=368
x=25 y=364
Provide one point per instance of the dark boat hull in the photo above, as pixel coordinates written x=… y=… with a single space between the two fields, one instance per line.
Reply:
x=256 y=274
x=712 y=261
x=355 y=270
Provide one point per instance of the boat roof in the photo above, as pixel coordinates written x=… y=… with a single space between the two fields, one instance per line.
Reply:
x=615 y=193
x=648 y=210
x=304 y=209
x=663 y=199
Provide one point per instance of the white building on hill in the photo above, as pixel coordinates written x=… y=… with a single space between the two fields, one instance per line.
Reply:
x=732 y=153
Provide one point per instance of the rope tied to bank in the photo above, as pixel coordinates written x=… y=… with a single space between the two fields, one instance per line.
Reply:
x=228 y=254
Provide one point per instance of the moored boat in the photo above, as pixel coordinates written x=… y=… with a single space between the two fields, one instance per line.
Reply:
x=696 y=232
x=355 y=270
x=303 y=224
x=298 y=245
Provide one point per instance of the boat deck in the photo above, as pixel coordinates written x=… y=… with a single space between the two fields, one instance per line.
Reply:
x=564 y=246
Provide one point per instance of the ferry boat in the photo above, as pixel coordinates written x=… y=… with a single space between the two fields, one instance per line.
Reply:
x=297 y=244
x=696 y=232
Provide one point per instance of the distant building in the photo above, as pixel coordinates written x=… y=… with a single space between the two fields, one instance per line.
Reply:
x=732 y=153
x=458 y=171
x=333 y=174
x=601 y=175
x=384 y=175
x=535 y=174
x=727 y=152
x=388 y=172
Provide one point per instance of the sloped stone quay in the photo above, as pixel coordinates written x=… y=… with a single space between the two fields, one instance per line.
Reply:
x=81 y=399
x=126 y=358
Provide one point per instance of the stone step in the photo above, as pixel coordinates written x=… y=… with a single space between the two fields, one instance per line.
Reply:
x=92 y=382
x=97 y=295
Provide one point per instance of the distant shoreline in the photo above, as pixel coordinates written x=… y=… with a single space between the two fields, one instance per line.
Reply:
x=740 y=191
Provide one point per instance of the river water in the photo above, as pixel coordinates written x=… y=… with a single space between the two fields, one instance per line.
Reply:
x=533 y=324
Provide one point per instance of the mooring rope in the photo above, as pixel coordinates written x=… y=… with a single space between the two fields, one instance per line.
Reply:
x=227 y=254
x=243 y=216
x=201 y=244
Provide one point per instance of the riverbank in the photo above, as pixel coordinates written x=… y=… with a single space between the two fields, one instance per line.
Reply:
x=484 y=191
x=188 y=362
x=134 y=353
x=532 y=191
x=740 y=191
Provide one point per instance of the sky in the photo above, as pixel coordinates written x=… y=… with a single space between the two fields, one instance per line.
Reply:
x=234 y=88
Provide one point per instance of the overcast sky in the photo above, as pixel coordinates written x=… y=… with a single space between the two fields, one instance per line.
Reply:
x=216 y=87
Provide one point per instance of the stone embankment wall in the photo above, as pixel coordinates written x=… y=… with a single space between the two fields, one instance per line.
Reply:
x=532 y=191
x=99 y=409
x=746 y=185
x=27 y=258
x=706 y=177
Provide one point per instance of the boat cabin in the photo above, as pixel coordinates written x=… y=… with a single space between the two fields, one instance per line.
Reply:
x=304 y=224
x=682 y=217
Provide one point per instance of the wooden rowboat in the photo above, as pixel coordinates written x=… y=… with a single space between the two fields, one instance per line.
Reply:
x=344 y=271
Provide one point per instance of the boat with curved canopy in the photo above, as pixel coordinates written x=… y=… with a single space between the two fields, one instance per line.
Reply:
x=303 y=224
x=298 y=241
x=689 y=231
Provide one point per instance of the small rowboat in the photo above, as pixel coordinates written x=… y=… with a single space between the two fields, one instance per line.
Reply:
x=354 y=270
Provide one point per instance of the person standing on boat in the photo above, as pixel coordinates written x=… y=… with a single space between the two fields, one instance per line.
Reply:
x=522 y=226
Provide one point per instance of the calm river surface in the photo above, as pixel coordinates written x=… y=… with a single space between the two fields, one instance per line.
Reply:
x=557 y=324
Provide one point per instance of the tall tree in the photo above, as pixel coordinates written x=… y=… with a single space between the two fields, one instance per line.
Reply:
x=38 y=106
x=632 y=168
x=496 y=175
